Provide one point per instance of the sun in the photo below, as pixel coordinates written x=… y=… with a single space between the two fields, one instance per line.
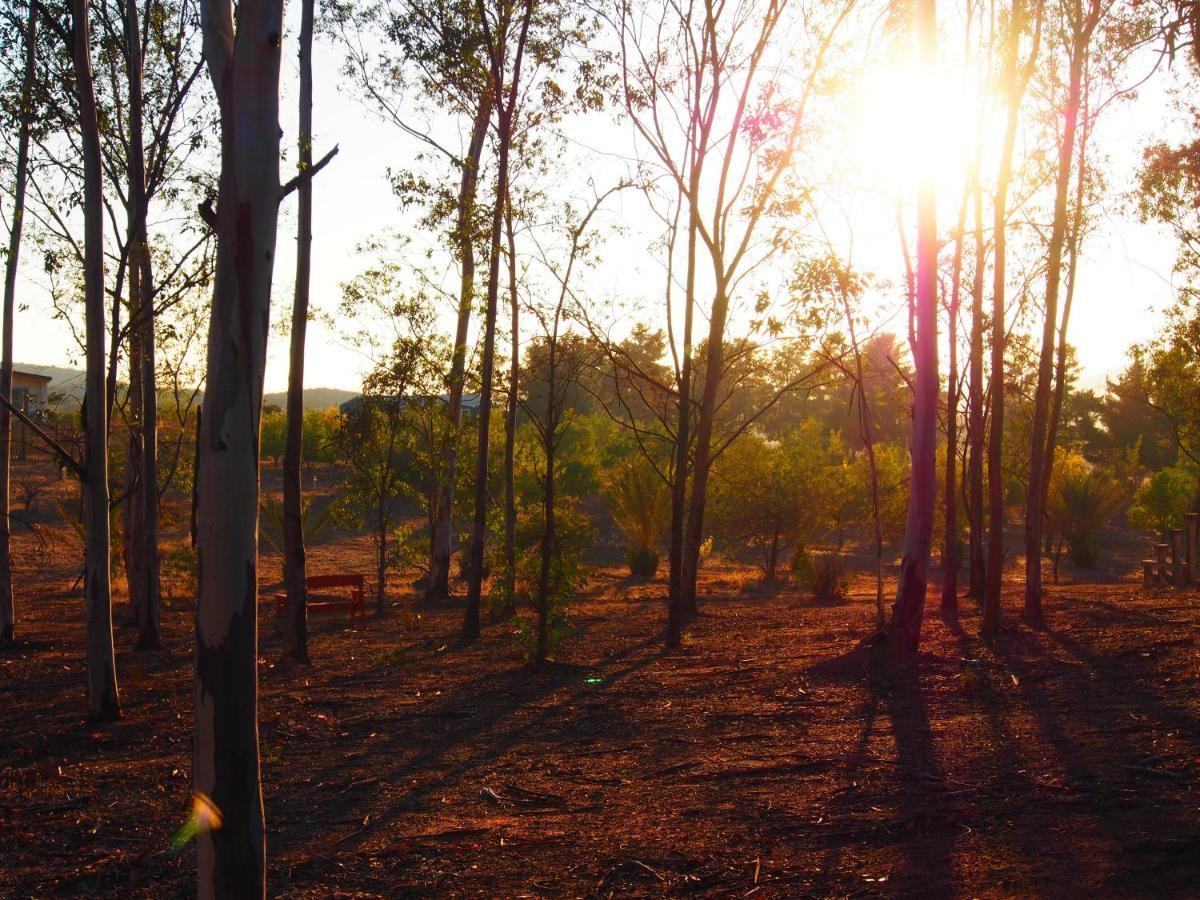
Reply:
x=909 y=125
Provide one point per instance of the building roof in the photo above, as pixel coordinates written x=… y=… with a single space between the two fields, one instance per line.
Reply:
x=470 y=402
x=33 y=376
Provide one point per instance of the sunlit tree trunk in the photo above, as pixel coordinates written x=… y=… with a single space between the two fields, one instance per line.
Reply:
x=1015 y=86
x=549 y=536
x=714 y=364
x=682 y=441
x=295 y=612
x=950 y=534
x=7 y=606
x=1060 y=375
x=132 y=509
x=975 y=426
x=438 y=585
x=231 y=860
x=909 y=608
x=510 y=426
x=1036 y=495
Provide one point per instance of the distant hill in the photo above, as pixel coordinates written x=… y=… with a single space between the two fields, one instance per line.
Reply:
x=68 y=384
x=314 y=398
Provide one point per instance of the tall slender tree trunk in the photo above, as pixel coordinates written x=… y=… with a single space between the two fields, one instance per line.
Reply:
x=1060 y=375
x=909 y=608
x=506 y=110
x=470 y=629
x=714 y=363
x=549 y=535
x=104 y=704
x=381 y=565
x=141 y=276
x=1036 y=495
x=679 y=483
x=975 y=428
x=438 y=584
x=7 y=606
x=510 y=426
x=295 y=612
x=867 y=433
x=231 y=859
x=950 y=534
x=132 y=509
x=990 y=626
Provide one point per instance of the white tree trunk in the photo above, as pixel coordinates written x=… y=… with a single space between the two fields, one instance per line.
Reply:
x=231 y=859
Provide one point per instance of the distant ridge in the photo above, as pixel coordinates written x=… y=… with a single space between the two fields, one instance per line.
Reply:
x=314 y=398
x=68 y=383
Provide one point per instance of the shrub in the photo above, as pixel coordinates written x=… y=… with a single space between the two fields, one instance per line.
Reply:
x=824 y=575
x=574 y=534
x=1162 y=499
x=1081 y=501
x=640 y=502
x=312 y=522
x=643 y=562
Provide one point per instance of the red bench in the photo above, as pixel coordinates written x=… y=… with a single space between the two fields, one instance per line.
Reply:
x=355 y=602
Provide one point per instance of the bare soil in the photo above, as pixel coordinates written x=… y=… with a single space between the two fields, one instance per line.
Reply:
x=765 y=758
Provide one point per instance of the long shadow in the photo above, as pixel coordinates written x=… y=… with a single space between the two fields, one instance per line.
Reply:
x=846 y=801
x=483 y=720
x=1122 y=681
x=928 y=819
x=1105 y=775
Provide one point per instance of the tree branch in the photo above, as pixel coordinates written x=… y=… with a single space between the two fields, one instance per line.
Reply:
x=307 y=174
x=71 y=462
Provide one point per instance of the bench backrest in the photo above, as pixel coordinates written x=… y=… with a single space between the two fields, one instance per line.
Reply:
x=332 y=581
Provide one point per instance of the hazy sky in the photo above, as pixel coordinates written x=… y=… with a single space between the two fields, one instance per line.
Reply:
x=1124 y=282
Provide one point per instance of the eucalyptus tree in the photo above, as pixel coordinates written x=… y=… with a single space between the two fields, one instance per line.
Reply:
x=541 y=66
x=505 y=38
x=718 y=96
x=243 y=59
x=1015 y=77
x=561 y=374
x=295 y=612
x=1075 y=24
x=904 y=630
x=103 y=700
x=22 y=111
x=152 y=136
x=421 y=64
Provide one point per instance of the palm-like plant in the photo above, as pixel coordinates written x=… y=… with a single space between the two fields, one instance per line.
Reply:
x=640 y=502
x=1081 y=501
x=313 y=522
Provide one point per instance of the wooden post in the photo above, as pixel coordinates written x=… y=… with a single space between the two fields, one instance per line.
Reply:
x=1192 y=524
x=1160 y=558
x=1149 y=577
x=1179 y=573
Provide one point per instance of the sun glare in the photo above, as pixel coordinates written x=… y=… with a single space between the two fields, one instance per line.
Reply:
x=910 y=124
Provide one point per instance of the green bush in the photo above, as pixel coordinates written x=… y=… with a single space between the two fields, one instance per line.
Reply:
x=643 y=562
x=824 y=575
x=1162 y=499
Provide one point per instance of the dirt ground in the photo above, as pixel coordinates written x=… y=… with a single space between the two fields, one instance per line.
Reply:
x=761 y=759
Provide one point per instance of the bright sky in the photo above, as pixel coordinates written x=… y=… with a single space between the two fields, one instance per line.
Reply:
x=1125 y=278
